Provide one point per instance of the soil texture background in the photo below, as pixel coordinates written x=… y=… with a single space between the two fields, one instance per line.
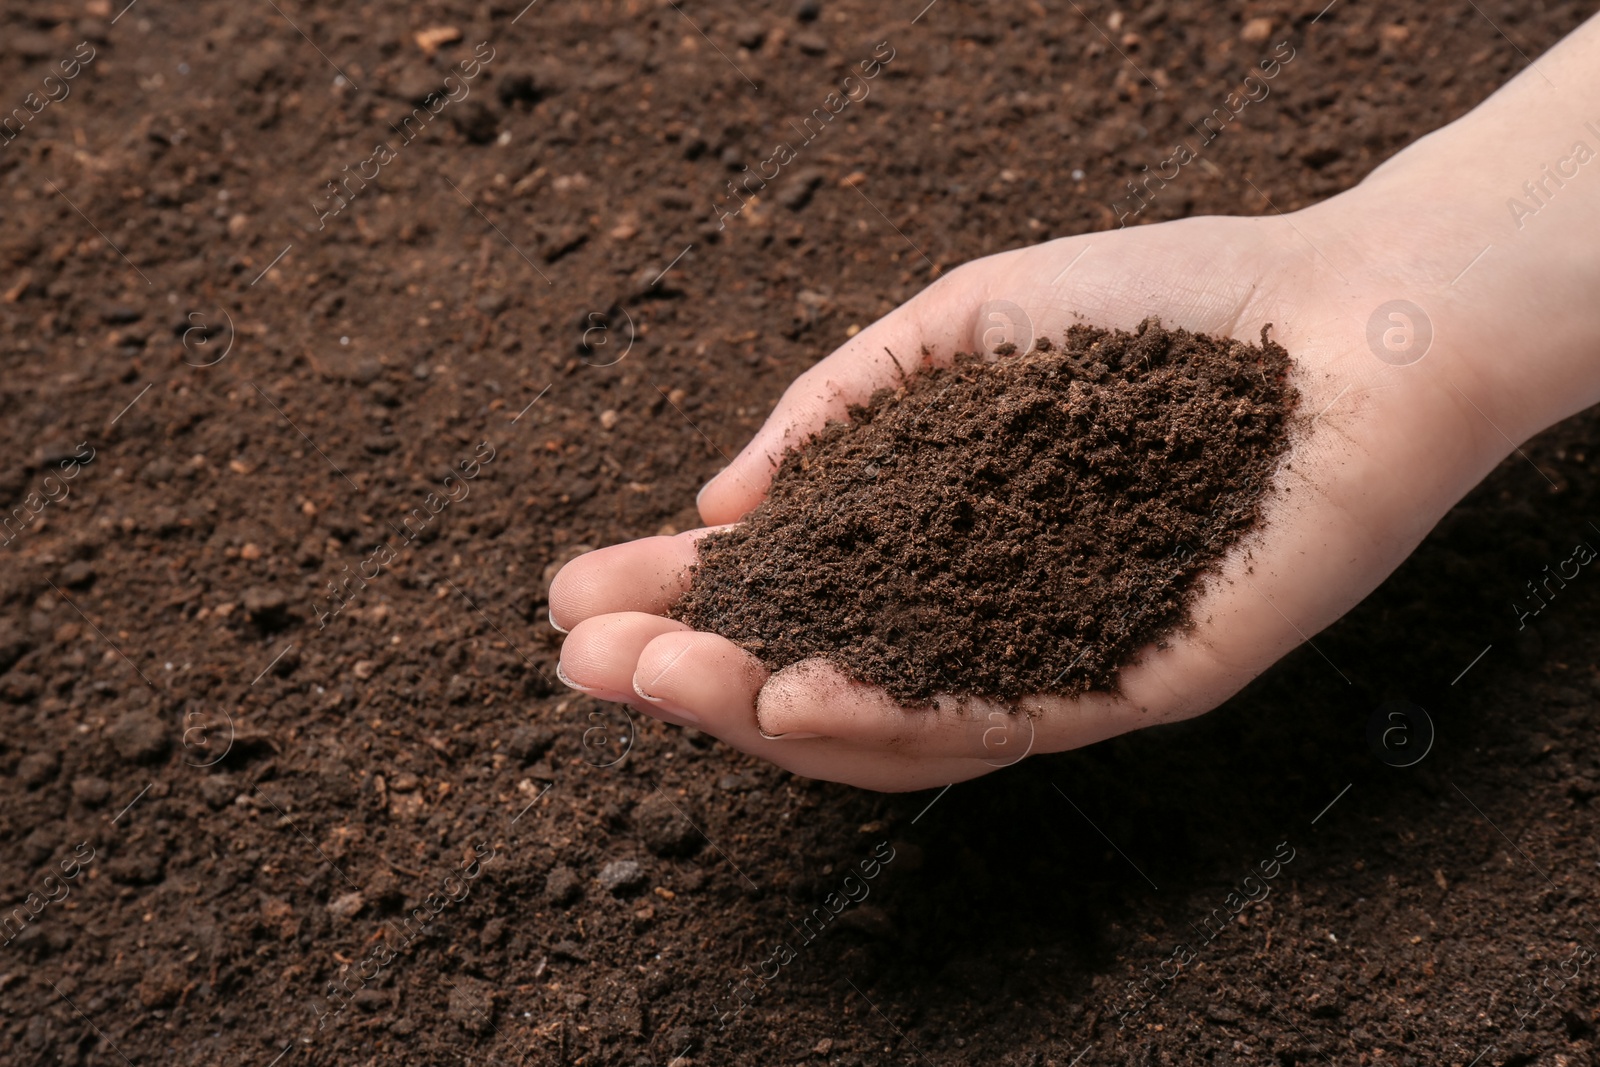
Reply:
x=275 y=672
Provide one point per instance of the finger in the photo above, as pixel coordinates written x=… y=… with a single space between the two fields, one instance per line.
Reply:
x=649 y=574
x=815 y=697
x=710 y=682
x=599 y=655
x=939 y=319
x=701 y=679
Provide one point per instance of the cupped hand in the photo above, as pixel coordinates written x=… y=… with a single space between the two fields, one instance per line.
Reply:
x=1381 y=450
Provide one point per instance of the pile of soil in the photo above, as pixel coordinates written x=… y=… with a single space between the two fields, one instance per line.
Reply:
x=1007 y=527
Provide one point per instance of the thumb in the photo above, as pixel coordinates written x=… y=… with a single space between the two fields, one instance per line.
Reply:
x=928 y=329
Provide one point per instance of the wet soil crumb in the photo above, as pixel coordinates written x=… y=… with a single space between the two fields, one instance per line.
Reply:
x=1012 y=526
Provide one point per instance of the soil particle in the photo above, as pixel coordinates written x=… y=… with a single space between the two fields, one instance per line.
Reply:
x=1009 y=527
x=563 y=885
x=370 y=1000
x=37 y=768
x=90 y=791
x=161 y=987
x=664 y=827
x=812 y=44
x=77 y=575
x=798 y=192
x=138 y=736
x=267 y=607
x=569 y=949
x=528 y=743
x=13 y=645
x=469 y=1006
x=141 y=866
x=750 y=34
x=218 y=791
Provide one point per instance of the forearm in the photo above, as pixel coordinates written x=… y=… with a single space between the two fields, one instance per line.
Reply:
x=1491 y=225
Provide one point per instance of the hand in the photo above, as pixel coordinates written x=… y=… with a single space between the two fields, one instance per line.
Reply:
x=1368 y=479
x=1385 y=446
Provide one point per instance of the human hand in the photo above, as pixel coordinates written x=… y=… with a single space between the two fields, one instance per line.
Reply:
x=1386 y=446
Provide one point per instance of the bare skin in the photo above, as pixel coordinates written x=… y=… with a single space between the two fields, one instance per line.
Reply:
x=1390 y=444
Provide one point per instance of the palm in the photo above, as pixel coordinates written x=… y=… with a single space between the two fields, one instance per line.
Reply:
x=1358 y=493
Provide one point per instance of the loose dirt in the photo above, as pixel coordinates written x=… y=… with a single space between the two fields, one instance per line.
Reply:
x=1008 y=525
x=269 y=802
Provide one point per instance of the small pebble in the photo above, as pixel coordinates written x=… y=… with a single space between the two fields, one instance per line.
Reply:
x=431 y=38
x=619 y=876
x=346 y=906
x=1256 y=30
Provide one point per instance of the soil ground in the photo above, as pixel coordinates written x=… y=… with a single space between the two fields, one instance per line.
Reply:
x=260 y=780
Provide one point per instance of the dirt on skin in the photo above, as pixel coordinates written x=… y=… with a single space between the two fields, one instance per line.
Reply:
x=1006 y=526
x=229 y=816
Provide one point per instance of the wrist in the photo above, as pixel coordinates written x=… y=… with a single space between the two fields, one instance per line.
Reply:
x=1479 y=239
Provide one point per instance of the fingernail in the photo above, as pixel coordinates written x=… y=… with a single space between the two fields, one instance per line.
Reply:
x=550 y=617
x=795 y=735
x=657 y=704
x=570 y=684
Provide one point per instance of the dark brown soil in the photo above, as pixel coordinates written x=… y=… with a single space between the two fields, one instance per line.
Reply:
x=254 y=807
x=998 y=528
